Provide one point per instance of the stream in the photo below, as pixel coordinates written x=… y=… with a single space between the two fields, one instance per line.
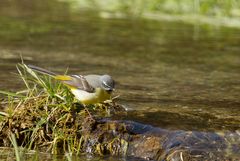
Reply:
x=171 y=75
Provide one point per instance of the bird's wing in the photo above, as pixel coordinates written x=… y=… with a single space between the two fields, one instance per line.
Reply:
x=75 y=81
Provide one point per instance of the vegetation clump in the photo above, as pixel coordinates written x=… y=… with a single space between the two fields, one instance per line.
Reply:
x=47 y=117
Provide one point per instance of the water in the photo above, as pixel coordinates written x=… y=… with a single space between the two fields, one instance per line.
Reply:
x=169 y=74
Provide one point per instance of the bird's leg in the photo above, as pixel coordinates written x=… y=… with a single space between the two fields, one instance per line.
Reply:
x=73 y=113
x=90 y=115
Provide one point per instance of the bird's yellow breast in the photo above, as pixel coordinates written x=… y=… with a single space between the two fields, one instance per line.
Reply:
x=100 y=95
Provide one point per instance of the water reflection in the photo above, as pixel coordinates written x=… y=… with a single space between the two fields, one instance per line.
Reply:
x=8 y=153
x=170 y=74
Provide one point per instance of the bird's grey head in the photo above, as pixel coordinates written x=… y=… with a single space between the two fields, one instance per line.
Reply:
x=108 y=83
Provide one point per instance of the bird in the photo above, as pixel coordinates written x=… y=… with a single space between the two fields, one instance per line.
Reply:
x=88 y=89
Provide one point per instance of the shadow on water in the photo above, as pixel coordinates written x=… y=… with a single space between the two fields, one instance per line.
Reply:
x=169 y=74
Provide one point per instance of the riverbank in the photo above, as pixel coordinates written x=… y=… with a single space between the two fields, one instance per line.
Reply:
x=219 y=13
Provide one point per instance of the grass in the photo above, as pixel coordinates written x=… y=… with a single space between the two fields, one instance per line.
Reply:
x=45 y=116
x=41 y=99
x=16 y=149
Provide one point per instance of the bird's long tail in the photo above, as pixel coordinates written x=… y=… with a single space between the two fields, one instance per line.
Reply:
x=41 y=70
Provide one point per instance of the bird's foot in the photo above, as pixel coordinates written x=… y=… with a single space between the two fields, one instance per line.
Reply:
x=89 y=114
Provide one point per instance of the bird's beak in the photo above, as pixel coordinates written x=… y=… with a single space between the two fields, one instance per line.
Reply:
x=111 y=90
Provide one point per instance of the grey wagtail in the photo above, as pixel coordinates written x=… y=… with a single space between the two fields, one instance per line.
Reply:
x=88 y=89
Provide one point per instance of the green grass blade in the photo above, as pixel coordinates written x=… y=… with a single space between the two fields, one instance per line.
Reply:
x=14 y=143
x=22 y=77
x=4 y=113
x=12 y=94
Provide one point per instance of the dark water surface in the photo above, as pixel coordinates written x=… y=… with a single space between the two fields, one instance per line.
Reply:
x=169 y=74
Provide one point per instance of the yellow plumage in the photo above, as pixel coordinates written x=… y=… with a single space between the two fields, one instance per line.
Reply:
x=63 y=77
x=85 y=97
